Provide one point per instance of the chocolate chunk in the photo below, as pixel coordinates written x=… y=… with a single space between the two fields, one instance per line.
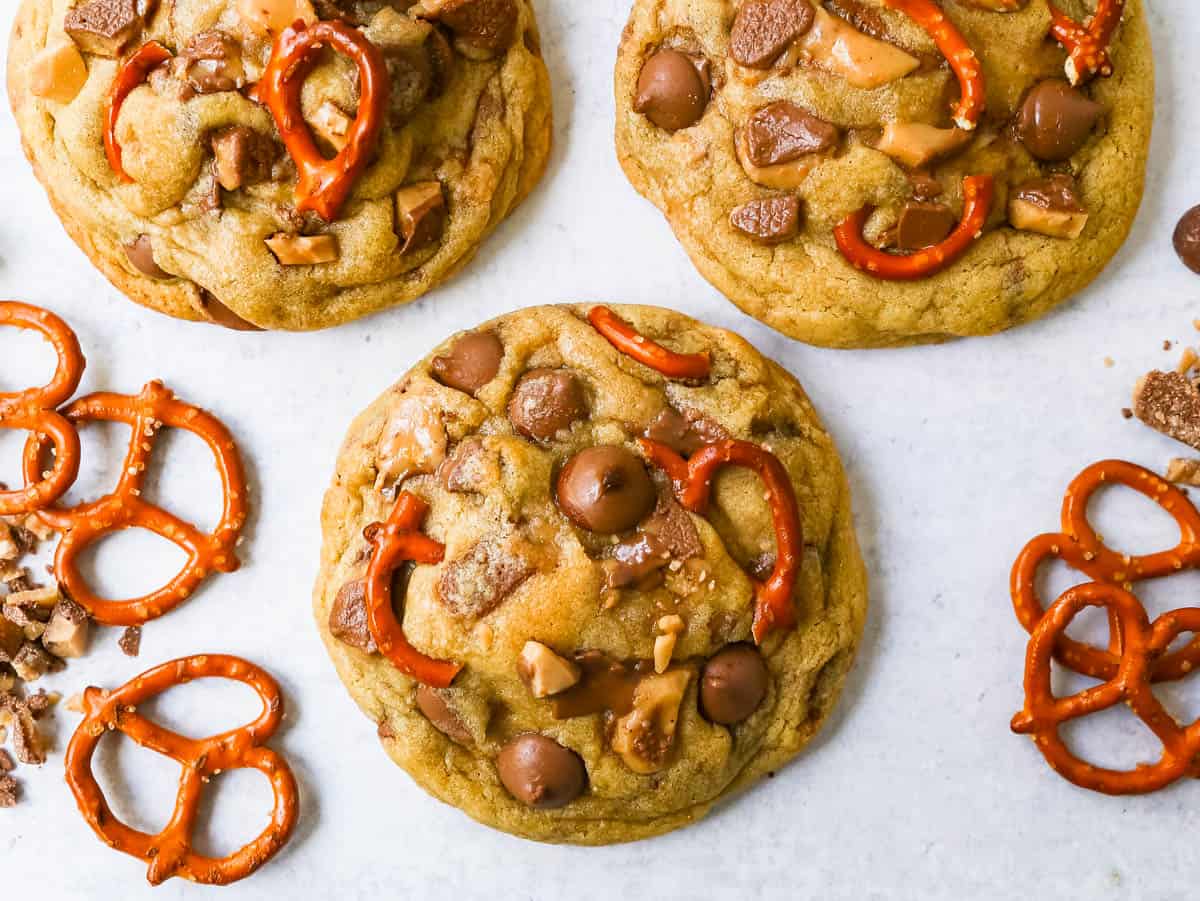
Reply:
x=211 y=63
x=476 y=583
x=473 y=361
x=924 y=225
x=1056 y=120
x=223 y=316
x=763 y=29
x=348 y=617
x=1058 y=192
x=140 y=252
x=421 y=213
x=672 y=527
x=733 y=684
x=470 y=467
x=605 y=489
x=436 y=705
x=541 y=773
x=546 y=402
x=925 y=187
x=130 y=641
x=1169 y=403
x=242 y=157
x=487 y=26
x=685 y=433
x=668 y=534
x=769 y=220
x=673 y=89
x=103 y=27
x=1187 y=239
x=782 y=131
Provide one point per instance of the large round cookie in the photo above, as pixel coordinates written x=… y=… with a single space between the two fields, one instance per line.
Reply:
x=209 y=228
x=571 y=575
x=847 y=104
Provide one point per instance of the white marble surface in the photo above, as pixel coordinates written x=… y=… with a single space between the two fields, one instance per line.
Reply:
x=957 y=454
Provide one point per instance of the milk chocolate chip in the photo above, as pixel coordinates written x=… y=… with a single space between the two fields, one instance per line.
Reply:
x=733 y=684
x=1187 y=239
x=140 y=252
x=546 y=402
x=1056 y=120
x=673 y=89
x=432 y=702
x=348 y=617
x=763 y=29
x=541 y=773
x=924 y=225
x=769 y=220
x=781 y=132
x=606 y=490
x=473 y=361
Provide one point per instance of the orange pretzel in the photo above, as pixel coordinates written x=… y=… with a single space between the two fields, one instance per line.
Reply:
x=958 y=53
x=693 y=480
x=34 y=409
x=396 y=542
x=133 y=72
x=88 y=523
x=1087 y=45
x=1143 y=646
x=324 y=185
x=170 y=853
x=979 y=192
x=624 y=338
x=1082 y=549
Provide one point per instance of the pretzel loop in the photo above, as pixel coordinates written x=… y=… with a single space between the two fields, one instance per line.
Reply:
x=693 y=480
x=88 y=523
x=133 y=72
x=170 y=852
x=650 y=353
x=324 y=185
x=1087 y=45
x=962 y=59
x=397 y=542
x=33 y=409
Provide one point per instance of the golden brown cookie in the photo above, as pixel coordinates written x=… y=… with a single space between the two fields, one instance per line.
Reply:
x=861 y=173
x=618 y=655
x=195 y=207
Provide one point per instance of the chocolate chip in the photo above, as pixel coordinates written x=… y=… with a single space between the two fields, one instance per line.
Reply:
x=733 y=684
x=541 y=773
x=485 y=25
x=223 y=316
x=605 y=489
x=1187 y=239
x=140 y=252
x=1058 y=192
x=769 y=220
x=435 y=705
x=782 y=131
x=546 y=402
x=348 y=617
x=421 y=212
x=1056 y=120
x=673 y=89
x=473 y=361
x=763 y=29
x=924 y=225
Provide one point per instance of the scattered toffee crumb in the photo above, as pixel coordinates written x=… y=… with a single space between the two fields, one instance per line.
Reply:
x=1167 y=345
x=1109 y=362
x=1127 y=413
x=130 y=641
x=1184 y=471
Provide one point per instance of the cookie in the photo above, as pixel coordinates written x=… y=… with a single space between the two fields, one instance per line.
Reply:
x=407 y=135
x=863 y=173
x=591 y=650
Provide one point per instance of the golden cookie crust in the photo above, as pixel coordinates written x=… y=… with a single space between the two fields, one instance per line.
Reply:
x=750 y=397
x=486 y=138
x=805 y=288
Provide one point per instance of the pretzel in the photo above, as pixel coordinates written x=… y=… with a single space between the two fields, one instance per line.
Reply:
x=1143 y=645
x=1087 y=45
x=1081 y=548
x=958 y=53
x=624 y=338
x=398 y=541
x=693 y=481
x=34 y=409
x=979 y=192
x=88 y=523
x=323 y=185
x=170 y=852
x=133 y=72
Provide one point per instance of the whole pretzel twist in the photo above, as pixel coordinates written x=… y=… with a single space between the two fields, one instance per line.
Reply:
x=1080 y=547
x=34 y=409
x=133 y=72
x=693 y=481
x=396 y=542
x=170 y=852
x=324 y=184
x=1143 y=647
x=628 y=341
x=1087 y=45
x=962 y=59
x=83 y=525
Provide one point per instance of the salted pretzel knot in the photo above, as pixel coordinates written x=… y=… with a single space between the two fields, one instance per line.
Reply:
x=170 y=852
x=324 y=184
x=34 y=410
x=628 y=341
x=1081 y=548
x=133 y=72
x=1087 y=44
x=1143 y=644
x=979 y=193
x=396 y=542
x=962 y=59
x=693 y=482
x=86 y=524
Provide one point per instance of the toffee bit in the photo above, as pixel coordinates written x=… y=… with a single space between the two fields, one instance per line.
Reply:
x=130 y=641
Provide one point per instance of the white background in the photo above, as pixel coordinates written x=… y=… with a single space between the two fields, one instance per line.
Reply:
x=958 y=454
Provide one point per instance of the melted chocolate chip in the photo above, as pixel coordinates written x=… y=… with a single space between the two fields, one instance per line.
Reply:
x=1056 y=120
x=605 y=489
x=434 y=704
x=140 y=252
x=541 y=773
x=605 y=686
x=1058 y=192
x=763 y=29
x=348 y=617
x=473 y=361
x=782 y=131
x=673 y=89
x=733 y=684
x=684 y=433
x=924 y=225
x=768 y=220
x=546 y=402
x=1187 y=239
